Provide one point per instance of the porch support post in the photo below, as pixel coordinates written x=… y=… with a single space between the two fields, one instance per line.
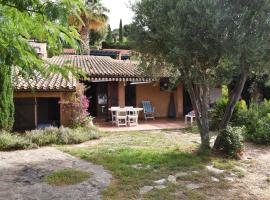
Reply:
x=179 y=101
x=35 y=109
x=121 y=94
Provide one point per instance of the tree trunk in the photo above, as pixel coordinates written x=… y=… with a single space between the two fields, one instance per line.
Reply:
x=233 y=99
x=199 y=99
x=85 y=37
x=6 y=99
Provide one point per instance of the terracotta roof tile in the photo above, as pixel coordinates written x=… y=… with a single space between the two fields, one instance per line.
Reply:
x=53 y=82
x=97 y=68
x=98 y=65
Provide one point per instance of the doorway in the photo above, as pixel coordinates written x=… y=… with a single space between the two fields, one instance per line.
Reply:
x=130 y=94
x=97 y=93
x=187 y=103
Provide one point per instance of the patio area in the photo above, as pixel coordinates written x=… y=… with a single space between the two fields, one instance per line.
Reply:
x=143 y=125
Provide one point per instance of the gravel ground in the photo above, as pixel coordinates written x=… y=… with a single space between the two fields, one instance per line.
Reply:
x=21 y=174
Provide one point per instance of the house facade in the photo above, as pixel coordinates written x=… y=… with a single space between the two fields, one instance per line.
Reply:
x=109 y=82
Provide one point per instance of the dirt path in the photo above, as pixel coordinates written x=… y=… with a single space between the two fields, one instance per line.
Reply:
x=21 y=174
x=254 y=184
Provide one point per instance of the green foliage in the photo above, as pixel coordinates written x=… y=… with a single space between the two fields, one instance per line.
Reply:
x=97 y=36
x=10 y=142
x=257 y=123
x=231 y=141
x=120 y=31
x=109 y=38
x=21 y=21
x=48 y=136
x=6 y=98
x=61 y=135
x=66 y=177
x=217 y=113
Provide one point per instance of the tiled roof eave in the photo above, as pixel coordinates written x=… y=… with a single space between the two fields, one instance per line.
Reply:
x=45 y=90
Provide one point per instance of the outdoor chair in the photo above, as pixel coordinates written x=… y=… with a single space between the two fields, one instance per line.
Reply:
x=148 y=110
x=121 y=117
x=132 y=118
x=191 y=115
x=113 y=110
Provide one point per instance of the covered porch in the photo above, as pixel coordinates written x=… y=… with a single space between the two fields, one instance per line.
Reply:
x=158 y=124
x=104 y=94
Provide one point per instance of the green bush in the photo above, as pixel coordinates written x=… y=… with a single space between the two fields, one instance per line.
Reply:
x=216 y=114
x=257 y=123
x=47 y=136
x=61 y=135
x=231 y=141
x=78 y=135
x=43 y=137
x=9 y=142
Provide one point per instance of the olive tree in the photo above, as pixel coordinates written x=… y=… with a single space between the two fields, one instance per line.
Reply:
x=185 y=38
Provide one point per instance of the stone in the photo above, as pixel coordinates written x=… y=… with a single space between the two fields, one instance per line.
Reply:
x=172 y=179
x=230 y=179
x=140 y=166
x=214 y=179
x=195 y=172
x=160 y=182
x=180 y=174
x=232 y=174
x=193 y=186
x=146 y=189
x=240 y=169
x=24 y=171
x=214 y=170
x=160 y=187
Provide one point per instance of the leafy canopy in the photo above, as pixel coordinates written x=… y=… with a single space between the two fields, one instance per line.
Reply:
x=22 y=20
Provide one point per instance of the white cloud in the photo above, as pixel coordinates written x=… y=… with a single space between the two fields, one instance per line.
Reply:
x=119 y=9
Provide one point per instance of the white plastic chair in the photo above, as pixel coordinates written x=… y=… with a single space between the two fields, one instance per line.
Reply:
x=132 y=118
x=121 y=117
x=191 y=115
x=114 y=110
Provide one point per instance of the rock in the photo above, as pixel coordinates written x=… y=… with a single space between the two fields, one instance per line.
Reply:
x=172 y=179
x=240 y=169
x=195 y=172
x=230 y=179
x=146 y=189
x=137 y=166
x=214 y=179
x=214 y=170
x=179 y=194
x=180 y=174
x=233 y=175
x=160 y=182
x=140 y=166
x=160 y=187
x=193 y=186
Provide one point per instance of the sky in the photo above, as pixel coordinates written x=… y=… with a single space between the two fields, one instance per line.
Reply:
x=119 y=9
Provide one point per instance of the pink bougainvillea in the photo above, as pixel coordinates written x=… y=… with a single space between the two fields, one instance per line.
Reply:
x=78 y=108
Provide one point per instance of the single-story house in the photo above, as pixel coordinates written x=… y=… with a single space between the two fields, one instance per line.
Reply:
x=110 y=83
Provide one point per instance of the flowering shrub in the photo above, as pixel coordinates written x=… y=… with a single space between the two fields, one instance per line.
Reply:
x=78 y=106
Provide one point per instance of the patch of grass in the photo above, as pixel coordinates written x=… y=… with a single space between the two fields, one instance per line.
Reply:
x=192 y=129
x=224 y=163
x=66 y=177
x=159 y=154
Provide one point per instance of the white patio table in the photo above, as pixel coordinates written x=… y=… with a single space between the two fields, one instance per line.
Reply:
x=118 y=110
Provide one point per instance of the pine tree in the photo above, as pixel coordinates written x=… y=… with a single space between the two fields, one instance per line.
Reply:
x=109 y=38
x=6 y=99
x=120 y=32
